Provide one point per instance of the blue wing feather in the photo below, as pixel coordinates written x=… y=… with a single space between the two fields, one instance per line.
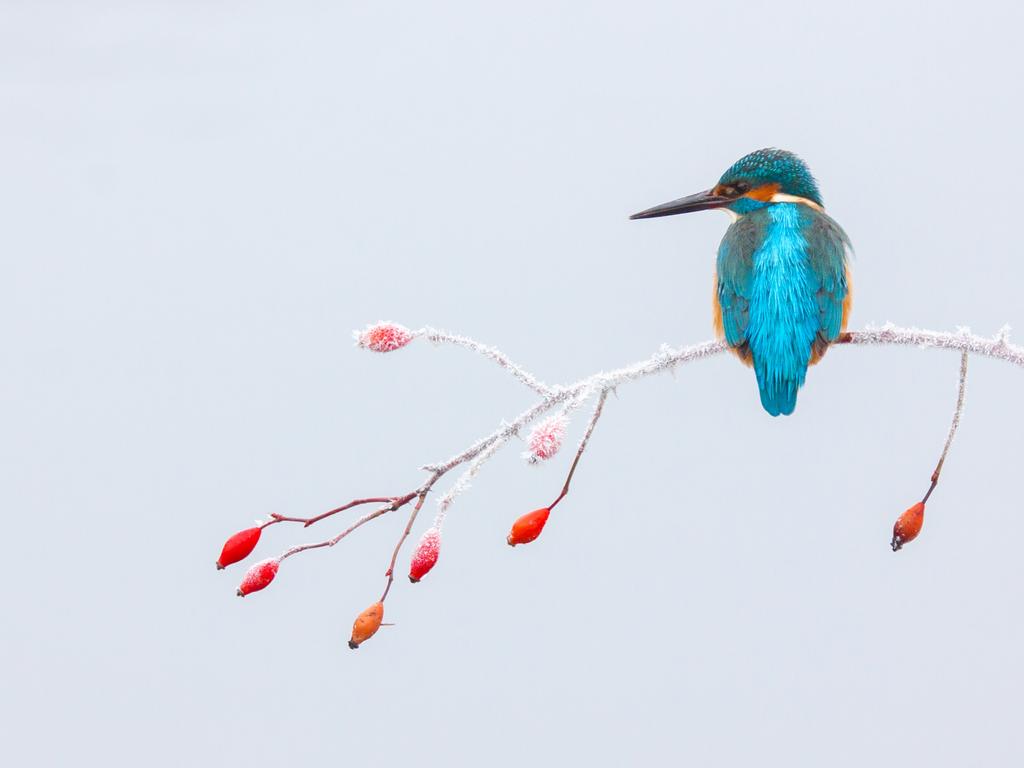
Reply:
x=735 y=276
x=827 y=246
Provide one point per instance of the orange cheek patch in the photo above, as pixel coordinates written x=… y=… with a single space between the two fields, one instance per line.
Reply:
x=763 y=193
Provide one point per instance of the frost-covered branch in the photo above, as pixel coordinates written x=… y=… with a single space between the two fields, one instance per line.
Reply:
x=493 y=353
x=998 y=346
x=558 y=402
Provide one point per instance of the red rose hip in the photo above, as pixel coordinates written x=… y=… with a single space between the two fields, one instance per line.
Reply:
x=908 y=526
x=238 y=547
x=528 y=527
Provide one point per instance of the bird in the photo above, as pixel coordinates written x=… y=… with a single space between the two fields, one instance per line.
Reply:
x=782 y=278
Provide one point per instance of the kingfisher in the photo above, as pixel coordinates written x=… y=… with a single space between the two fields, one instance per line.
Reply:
x=782 y=279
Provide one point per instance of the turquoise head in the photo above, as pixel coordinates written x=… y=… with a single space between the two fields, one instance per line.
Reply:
x=761 y=178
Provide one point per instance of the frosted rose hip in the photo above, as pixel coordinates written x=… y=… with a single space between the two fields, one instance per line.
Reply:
x=384 y=337
x=425 y=556
x=258 y=577
x=546 y=438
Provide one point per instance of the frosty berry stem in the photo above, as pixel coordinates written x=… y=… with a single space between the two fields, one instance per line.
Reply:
x=953 y=426
x=390 y=574
x=583 y=446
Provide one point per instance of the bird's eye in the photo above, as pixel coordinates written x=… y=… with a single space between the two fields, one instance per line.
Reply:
x=735 y=190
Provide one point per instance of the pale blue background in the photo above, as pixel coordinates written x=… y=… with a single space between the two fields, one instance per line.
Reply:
x=200 y=202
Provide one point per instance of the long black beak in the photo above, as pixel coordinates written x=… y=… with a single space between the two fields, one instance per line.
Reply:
x=702 y=201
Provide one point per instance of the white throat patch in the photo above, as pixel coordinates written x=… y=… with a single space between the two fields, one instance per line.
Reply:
x=780 y=197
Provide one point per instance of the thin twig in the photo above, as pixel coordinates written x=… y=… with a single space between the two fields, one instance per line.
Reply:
x=331 y=542
x=308 y=521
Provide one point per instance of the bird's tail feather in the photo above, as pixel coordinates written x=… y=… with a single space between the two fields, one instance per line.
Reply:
x=779 y=399
x=779 y=390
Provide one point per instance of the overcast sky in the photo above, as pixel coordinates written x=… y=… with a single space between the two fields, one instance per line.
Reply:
x=202 y=200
